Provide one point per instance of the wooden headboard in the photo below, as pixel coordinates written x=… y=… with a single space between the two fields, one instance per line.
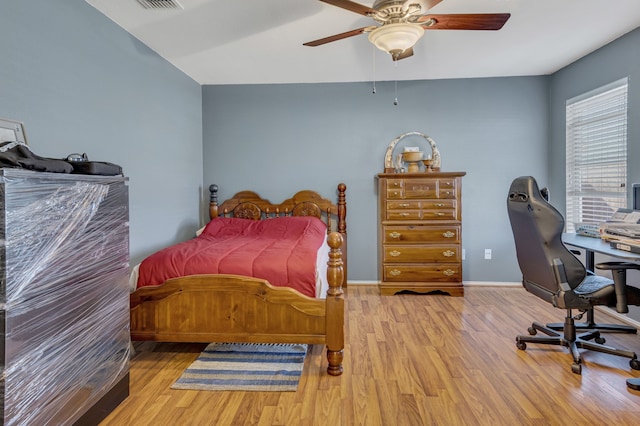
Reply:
x=249 y=205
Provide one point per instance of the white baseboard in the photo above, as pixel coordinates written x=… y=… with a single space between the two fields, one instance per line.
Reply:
x=362 y=283
x=465 y=283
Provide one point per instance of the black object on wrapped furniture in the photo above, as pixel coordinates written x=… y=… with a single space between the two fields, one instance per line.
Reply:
x=95 y=168
x=18 y=155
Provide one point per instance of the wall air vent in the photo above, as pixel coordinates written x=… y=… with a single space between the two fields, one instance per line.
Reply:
x=160 y=4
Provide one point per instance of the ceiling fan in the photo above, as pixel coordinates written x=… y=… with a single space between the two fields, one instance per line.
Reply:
x=403 y=22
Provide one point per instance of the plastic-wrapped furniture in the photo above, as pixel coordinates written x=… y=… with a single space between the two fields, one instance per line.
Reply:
x=64 y=297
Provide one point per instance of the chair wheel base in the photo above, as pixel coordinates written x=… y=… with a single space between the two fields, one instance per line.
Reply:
x=576 y=368
x=574 y=342
x=605 y=328
x=633 y=384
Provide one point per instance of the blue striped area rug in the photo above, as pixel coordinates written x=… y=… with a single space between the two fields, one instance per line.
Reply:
x=245 y=367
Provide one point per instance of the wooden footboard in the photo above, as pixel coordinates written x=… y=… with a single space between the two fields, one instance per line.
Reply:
x=232 y=308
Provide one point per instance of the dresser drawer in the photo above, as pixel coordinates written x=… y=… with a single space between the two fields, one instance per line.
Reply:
x=420 y=188
x=404 y=205
x=395 y=183
x=415 y=253
x=446 y=184
x=420 y=234
x=421 y=215
x=404 y=215
x=412 y=188
x=446 y=193
x=442 y=272
x=438 y=204
x=442 y=214
x=395 y=194
x=431 y=204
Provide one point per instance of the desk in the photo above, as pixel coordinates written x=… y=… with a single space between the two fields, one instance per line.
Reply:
x=596 y=245
x=591 y=246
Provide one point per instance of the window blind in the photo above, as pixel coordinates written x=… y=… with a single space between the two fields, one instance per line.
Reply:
x=596 y=165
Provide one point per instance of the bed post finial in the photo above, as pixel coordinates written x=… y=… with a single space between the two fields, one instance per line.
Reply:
x=213 y=201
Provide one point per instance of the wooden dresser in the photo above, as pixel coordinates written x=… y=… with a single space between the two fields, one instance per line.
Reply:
x=419 y=232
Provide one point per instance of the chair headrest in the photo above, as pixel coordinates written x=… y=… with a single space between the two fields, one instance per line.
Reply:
x=525 y=187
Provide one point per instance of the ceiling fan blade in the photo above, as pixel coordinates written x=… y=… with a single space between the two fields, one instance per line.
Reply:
x=428 y=4
x=405 y=54
x=335 y=37
x=352 y=6
x=465 y=21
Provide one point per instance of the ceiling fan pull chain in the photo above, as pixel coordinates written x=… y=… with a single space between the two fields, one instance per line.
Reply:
x=395 y=101
x=373 y=50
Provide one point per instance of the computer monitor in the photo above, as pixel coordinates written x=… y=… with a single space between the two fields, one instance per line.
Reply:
x=636 y=195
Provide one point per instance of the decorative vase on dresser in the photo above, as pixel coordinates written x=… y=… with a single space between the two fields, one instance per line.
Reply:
x=419 y=232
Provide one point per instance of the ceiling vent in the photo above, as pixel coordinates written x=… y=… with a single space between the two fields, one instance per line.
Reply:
x=160 y=4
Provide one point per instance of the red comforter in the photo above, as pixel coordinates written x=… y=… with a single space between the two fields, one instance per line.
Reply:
x=280 y=250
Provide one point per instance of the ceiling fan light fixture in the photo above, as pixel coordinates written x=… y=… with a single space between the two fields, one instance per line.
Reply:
x=396 y=38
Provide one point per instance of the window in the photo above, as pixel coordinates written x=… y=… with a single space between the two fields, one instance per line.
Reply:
x=596 y=154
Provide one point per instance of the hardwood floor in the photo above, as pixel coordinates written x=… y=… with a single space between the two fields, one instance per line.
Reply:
x=410 y=360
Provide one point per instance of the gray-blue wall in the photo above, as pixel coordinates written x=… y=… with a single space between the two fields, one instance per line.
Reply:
x=82 y=84
x=279 y=138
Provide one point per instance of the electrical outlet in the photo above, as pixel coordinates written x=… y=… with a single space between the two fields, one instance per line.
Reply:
x=487 y=254
x=463 y=254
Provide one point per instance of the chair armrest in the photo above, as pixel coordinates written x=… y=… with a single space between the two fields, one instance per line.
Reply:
x=560 y=274
x=619 y=274
x=565 y=297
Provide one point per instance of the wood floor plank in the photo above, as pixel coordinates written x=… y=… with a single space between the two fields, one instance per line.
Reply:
x=410 y=360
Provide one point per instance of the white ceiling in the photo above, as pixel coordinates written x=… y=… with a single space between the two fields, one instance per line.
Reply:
x=260 y=41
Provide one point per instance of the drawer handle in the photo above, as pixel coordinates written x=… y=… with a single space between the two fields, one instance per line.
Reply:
x=395 y=253
x=448 y=234
x=404 y=205
x=394 y=272
x=396 y=184
x=404 y=214
x=395 y=234
x=440 y=214
x=448 y=272
x=440 y=205
x=447 y=192
x=448 y=253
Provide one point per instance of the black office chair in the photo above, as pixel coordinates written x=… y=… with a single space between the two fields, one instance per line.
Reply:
x=551 y=272
x=590 y=323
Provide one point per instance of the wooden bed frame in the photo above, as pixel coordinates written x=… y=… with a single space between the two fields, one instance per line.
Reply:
x=233 y=308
